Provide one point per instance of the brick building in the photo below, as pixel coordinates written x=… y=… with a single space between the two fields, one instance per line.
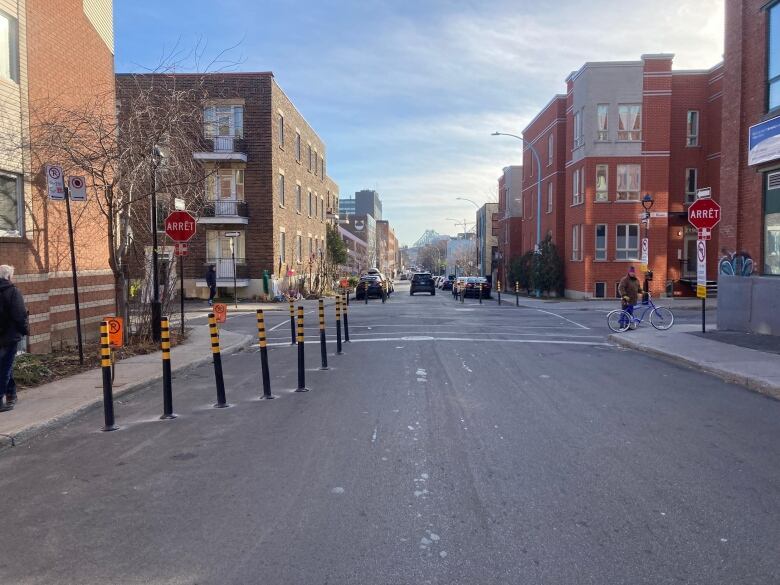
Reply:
x=750 y=173
x=507 y=227
x=266 y=181
x=41 y=69
x=487 y=242
x=387 y=248
x=624 y=130
x=357 y=251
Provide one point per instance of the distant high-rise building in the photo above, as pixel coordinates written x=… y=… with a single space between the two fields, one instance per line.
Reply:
x=346 y=207
x=367 y=202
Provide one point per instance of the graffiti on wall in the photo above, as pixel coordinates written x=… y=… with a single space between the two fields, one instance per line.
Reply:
x=735 y=264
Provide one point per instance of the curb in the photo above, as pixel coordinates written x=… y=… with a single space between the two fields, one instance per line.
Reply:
x=753 y=384
x=33 y=431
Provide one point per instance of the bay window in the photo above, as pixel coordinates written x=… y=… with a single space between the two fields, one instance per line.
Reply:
x=602 y=122
x=629 y=179
x=602 y=182
x=629 y=122
x=627 y=242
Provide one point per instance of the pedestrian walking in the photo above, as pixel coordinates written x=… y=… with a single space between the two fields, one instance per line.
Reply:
x=211 y=282
x=629 y=290
x=13 y=326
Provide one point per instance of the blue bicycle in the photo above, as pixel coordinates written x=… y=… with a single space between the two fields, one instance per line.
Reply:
x=660 y=317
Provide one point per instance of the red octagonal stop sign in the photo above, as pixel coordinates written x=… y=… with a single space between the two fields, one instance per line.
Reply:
x=180 y=226
x=704 y=213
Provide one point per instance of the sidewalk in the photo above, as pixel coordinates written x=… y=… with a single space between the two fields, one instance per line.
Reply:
x=59 y=402
x=604 y=304
x=756 y=370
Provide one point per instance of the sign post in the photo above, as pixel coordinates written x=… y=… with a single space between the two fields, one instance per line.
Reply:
x=55 y=187
x=704 y=215
x=645 y=253
x=180 y=226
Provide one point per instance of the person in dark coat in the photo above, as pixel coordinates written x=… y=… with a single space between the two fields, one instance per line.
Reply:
x=13 y=326
x=211 y=282
x=629 y=288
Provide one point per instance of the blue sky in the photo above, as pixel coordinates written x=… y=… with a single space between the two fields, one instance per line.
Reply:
x=405 y=94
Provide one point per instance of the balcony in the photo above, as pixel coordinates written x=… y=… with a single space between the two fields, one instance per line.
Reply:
x=225 y=211
x=222 y=148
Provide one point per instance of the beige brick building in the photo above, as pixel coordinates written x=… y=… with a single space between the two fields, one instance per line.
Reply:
x=42 y=67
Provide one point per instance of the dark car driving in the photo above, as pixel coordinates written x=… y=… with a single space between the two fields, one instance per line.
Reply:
x=423 y=282
x=447 y=284
x=371 y=285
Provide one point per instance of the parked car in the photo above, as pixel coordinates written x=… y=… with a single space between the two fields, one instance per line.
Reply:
x=457 y=285
x=422 y=282
x=473 y=285
x=388 y=281
x=446 y=283
x=369 y=284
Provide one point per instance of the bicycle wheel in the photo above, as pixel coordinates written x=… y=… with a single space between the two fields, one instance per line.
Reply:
x=618 y=320
x=661 y=318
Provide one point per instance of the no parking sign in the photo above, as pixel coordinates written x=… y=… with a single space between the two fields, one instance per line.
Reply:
x=77 y=188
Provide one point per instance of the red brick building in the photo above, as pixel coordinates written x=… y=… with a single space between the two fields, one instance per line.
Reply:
x=42 y=68
x=507 y=225
x=750 y=173
x=624 y=130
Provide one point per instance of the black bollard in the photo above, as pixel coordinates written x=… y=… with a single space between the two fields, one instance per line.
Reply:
x=292 y=323
x=499 y=293
x=517 y=294
x=366 y=297
x=108 y=391
x=323 y=346
x=262 y=343
x=338 y=327
x=479 y=284
x=384 y=292
x=301 y=361
x=346 y=321
x=165 y=345
x=221 y=399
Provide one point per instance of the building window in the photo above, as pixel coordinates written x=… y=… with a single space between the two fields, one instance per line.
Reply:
x=220 y=250
x=550 y=144
x=602 y=182
x=310 y=155
x=691 y=184
x=578 y=129
x=322 y=168
x=629 y=178
x=629 y=122
x=549 y=197
x=225 y=184
x=772 y=224
x=298 y=146
x=577 y=187
x=602 y=122
x=282 y=247
x=600 y=291
x=281 y=130
x=315 y=206
x=311 y=248
x=627 y=242
x=298 y=248
x=311 y=204
x=11 y=206
x=322 y=209
x=227 y=121
x=576 y=242
x=773 y=58
x=692 y=124
x=601 y=241
x=298 y=198
x=281 y=189
x=9 y=48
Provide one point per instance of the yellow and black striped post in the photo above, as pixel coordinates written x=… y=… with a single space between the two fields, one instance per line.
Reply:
x=346 y=320
x=263 y=343
x=165 y=346
x=301 y=361
x=517 y=294
x=479 y=284
x=499 y=293
x=323 y=346
x=384 y=291
x=108 y=391
x=292 y=323
x=338 y=324
x=217 y=357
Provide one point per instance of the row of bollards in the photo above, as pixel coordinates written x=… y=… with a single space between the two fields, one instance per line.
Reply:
x=165 y=346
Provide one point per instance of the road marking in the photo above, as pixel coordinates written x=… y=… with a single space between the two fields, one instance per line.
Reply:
x=373 y=437
x=466 y=339
x=562 y=317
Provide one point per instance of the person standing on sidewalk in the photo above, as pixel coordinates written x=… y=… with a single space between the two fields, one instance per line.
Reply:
x=629 y=290
x=13 y=326
x=211 y=282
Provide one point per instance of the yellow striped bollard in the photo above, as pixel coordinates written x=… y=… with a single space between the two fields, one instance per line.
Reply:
x=517 y=294
x=301 y=361
x=165 y=346
x=263 y=344
x=344 y=306
x=323 y=346
x=338 y=324
x=108 y=391
x=292 y=323
x=217 y=357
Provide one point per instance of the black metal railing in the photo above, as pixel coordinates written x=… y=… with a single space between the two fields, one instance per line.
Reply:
x=225 y=208
x=225 y=267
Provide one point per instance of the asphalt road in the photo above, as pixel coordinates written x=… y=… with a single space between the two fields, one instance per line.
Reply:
x=450 y=444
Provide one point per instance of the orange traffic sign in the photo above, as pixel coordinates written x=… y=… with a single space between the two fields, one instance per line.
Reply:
x=344 y=283
x=116 y=337
x=220 y=312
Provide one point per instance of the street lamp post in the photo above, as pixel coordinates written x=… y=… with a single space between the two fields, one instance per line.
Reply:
x=158 y=155
x=529 y=146
x=647 y=204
